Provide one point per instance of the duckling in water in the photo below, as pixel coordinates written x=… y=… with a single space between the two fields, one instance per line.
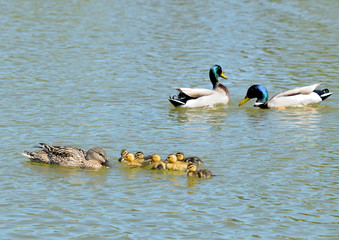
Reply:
x=94 y=158
x=174 y=164
x=123 y=154
x=132 y=162
x=145 y=160
x=157 y=163
x=201 y=173
x=189 y=160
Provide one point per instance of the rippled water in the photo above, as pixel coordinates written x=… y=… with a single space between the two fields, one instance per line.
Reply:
x=98 y=73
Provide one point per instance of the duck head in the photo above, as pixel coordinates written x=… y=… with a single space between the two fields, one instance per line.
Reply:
x=191 y=168
x=171 y=158
x=156 y=158
x=215 y=73
x=256 y=91
x=139 y=155
x=180 y=156
x=100 y=155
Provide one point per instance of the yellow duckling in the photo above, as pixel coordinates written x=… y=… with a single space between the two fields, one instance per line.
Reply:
x=188 y=160
x=145 y=160
x=174 y=164
x=123 y=154
x=157 y=162
x=201 y=173
x=132 y=162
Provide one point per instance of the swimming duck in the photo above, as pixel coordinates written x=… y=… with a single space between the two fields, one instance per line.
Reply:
x=157 y=163
x=199 y=97
x=188 y=160
x=145 y=160
x=297 y=97
x=201 y=173
x=94 y=158
x=132 y=161
x=123 y=154
x=174 y=164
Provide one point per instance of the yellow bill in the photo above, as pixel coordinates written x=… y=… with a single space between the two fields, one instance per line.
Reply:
x=244 y=101
x=223 y=75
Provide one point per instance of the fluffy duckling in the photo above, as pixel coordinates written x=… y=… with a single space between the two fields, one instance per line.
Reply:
x=188 y=160
x=94 y=158
x=157 y=163
x=296 y=97
x=201 y=173
x=123 y=154
x=174 y=164
x=199 y=97
x=145 y=160
x=132 y=162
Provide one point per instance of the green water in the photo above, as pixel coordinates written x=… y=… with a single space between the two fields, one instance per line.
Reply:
x=98 y=73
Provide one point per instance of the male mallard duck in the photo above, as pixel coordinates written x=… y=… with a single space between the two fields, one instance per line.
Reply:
x=157 y=163
x=123 y=154
x=199 y=97
x=174 y=164
x=201 y=173
x=94 y=158
x=188 y=160
x=297 y=97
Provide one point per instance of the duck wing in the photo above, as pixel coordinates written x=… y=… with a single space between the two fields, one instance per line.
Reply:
x=298 y=90
x=195 y=92
x=66 y=156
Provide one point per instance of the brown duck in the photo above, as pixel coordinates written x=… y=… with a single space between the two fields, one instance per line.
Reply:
x=94 y=158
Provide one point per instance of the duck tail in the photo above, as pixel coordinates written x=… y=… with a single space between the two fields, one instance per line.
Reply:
x=325 y=93
x=175 y=101
x=27 y=154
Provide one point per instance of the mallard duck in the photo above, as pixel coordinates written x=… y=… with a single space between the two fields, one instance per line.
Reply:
x=132 y=161
x=123 y=154
x=297 y=97
x=199 y=97
x=201 y=173
x=94 y=158
x=188 y=160
x=145 y=160
x=157 y=162
x=174 y=164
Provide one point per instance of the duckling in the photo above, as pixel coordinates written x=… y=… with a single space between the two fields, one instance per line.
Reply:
x=145 y=160
x=123 y=154
x=132 y=162
x=174 y=164
x=296 y=97
x=157 y=162
x=188 y=160
x=199 y=97
x=201 y=173
x=94 y=158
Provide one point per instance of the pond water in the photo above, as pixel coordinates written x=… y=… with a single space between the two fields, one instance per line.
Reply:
x=98 y=73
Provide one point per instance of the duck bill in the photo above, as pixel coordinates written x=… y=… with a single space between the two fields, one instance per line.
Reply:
x=244 y=101
x=223 y=76
x=108 y=164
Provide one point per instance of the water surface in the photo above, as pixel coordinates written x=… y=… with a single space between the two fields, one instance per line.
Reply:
x=98 y=73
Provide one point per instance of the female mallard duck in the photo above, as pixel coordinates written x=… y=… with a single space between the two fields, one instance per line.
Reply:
x=297 y=97
x=199 y=97
x=157 y=163
x=174 y=164
x=188 y=160
x=94 y=158
x=201 y=173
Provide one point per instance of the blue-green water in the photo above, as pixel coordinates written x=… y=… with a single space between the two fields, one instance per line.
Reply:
x=98 y=73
